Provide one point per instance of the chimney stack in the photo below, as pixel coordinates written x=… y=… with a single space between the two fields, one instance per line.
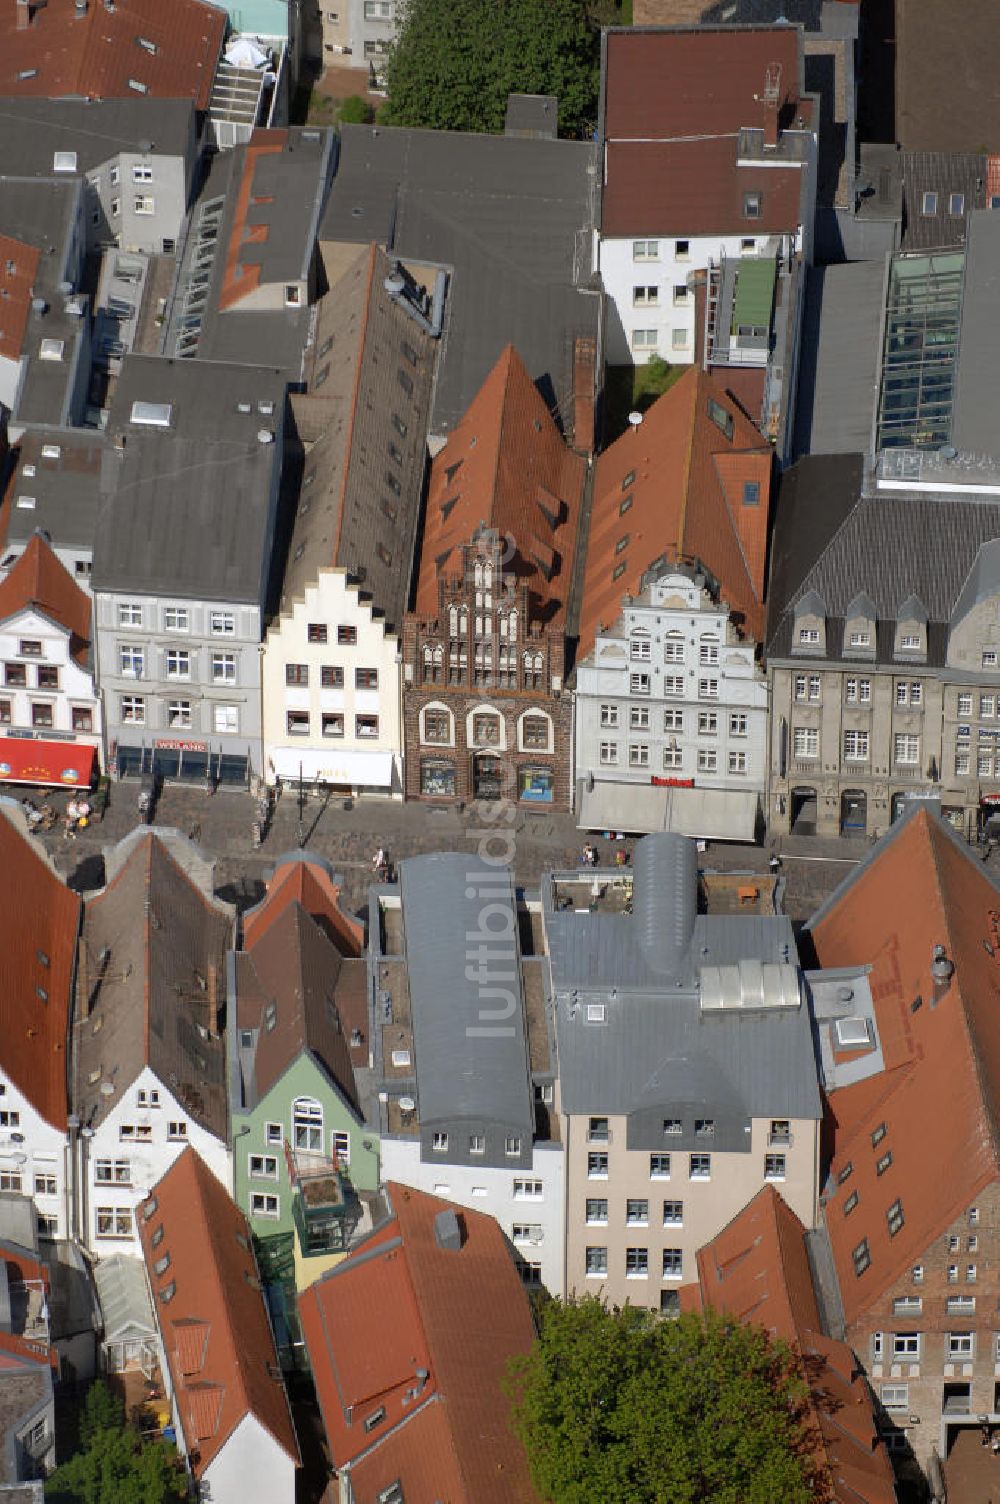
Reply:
x=23 y=14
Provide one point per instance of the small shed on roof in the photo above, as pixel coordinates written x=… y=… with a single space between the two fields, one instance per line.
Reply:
x=129 y=1325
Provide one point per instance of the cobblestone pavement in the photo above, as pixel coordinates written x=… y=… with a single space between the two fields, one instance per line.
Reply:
x=349 y=834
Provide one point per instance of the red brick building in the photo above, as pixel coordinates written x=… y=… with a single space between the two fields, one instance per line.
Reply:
x=485 y=714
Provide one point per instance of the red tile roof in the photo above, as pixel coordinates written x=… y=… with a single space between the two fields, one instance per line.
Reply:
x=505 y=465
x=675 y=101
x=215 y=1329
x=399 y=1304
x=308 y=883
x=39 y=923
x=98 y=52
x=687 y=502
x=695 y=188
x=38 y=579
x=701 y=82
x=758 y=1270
x=921 y=888
x=18 y=270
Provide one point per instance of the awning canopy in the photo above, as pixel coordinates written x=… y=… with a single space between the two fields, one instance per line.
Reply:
x=65 y=765
x=331 y=765
x=642 y=809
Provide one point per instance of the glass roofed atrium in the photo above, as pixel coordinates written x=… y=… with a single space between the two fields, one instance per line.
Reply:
x=923 y=312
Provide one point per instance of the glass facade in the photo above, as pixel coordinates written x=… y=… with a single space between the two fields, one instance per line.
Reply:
x=923 y=312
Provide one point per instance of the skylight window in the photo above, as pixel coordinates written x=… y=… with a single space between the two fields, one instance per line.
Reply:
x=852 y=1033
x=151 y=414
x=51 y=349
x=64 y=161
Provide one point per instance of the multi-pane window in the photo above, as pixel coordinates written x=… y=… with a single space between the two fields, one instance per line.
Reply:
x=636 y=1263
x=129 y=614
x=113 y=1221
x=609 y=716
x=708 y=652
x=701 y=1167
x=179 y=714
x=638 y=755
x=906 y=749
x=597 y=1262
x=659 y=1167
x=608 y=754
x=805 y=741
x=774 y=1167
x=809 y=634
x=708 y=722
x=638 y=717
x=597 y=1210
x=708 y=760
x=132 y=709
x=437 y=725
x=857 y=691
x=673 y=1263
x=645 y=296
x=297 y=674
x=597 y=1166
x=645 y=250
x=639 y=684
x=964 y=704
x=366 y=678
x=738 y=723
x=673 y=720
x=673 y=1213
x=737 y=762
x=708 y=689
x=673 y=648
x=673 y=758
x=176 y=619
x=264 y=1204
x=637 y=1212
x=131 y=661
x=331 y=676
x=640 y=649
x=223 y=668
x=856 y=746
x=178 y=663
x=297 y=723
x=222 y=623
x=987 y=707
x=673 y=684
x=365 y=727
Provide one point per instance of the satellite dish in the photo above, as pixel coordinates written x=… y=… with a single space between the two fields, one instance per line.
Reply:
x=634 y=419
x=406 y=1104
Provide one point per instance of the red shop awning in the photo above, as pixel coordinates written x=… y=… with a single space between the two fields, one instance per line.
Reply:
x=64 y=765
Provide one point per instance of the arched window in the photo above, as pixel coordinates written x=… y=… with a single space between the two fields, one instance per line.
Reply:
x=673 y=648
x=453 y=620
x=512 y=624
x=708 y=650
x=533 y=669
x=640 y=647
x=307 y=1125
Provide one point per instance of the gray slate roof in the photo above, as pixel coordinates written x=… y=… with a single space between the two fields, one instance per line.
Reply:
x=512 y=218
x=657 y=1046
x=467 y=1064
x=841 y=338
x=33 y=130
x=189 y=508
x=890 y=545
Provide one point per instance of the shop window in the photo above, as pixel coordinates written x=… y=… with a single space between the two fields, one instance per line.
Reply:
x=536 y=786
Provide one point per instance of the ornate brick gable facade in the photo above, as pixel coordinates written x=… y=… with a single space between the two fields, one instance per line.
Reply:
x=485 y=713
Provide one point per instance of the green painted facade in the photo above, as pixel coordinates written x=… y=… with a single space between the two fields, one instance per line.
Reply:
x=254 y=1135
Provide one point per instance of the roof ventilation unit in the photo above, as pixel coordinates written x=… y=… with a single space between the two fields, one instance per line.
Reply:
x=448 y=1231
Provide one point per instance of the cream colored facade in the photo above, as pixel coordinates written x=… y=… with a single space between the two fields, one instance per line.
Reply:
x=331 y=693
x=683 y=1211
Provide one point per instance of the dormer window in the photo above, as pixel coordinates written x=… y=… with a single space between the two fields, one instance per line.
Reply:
x=808 y=634
x=809 y=631
x=861 y=637
x=859 y=627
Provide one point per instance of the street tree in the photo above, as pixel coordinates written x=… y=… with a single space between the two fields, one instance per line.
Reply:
x=624 y=1405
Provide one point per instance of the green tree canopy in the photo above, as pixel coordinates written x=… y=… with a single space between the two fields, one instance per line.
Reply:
x=624 y=1405
x=455 y=62
x=114 y=1464
x=356 y=111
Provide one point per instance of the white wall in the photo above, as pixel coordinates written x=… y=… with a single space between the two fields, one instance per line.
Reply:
x=331 y=602
x=492 y=1191
x=622 y=273
x=33 y=1147
x=76 y=685
x=250 y=1466
x=148 y=1159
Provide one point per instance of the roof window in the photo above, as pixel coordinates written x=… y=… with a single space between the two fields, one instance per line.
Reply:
x=51 y=451
x=151 y=414
x=147 y=46
x=51 y=349
x=168 y=1292
x=852 y=1033
x=721 y=417
x=929 y=203
x=64 y=161
x=139 y=88
x=26 y=503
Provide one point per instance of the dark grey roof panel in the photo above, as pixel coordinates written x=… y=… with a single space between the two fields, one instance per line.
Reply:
x=470 y=1044
x=513 y=220
x=841 y=336
x=931 y=225
x=974 y=418
x=32 y=130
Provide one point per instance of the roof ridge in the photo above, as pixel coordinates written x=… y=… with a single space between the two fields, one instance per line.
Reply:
x=506 y=363
x=695 y=386
x=355 y=395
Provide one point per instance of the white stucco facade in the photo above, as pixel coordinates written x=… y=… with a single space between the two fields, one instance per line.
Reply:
x=132 y=1148
x=33 y=1159
x=529 y=1205
x=251 y=1465
x=331 y=693
x=673 y=693
x=45 y=691
x=647 y=281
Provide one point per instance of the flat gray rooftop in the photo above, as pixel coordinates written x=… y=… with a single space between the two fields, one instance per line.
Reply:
x=512 y=218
